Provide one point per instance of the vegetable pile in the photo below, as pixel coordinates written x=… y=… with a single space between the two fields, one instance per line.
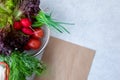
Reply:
x=20 y=25
x=20 y=30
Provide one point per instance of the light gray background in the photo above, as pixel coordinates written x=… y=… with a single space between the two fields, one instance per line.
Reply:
x=97 y=26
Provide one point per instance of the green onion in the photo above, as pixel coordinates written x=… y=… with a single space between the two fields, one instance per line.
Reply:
x=43 y=18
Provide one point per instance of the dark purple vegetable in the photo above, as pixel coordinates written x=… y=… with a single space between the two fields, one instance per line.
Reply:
x=16 y=40
x=12 y=40
x=29 y=7
x=4 y=49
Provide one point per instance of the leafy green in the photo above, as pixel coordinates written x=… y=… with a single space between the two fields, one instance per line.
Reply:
x=6 y=11
x=43 y=18
x=9 y=4
x=22 y=65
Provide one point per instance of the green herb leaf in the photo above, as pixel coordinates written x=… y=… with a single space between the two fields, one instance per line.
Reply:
x=22 y=65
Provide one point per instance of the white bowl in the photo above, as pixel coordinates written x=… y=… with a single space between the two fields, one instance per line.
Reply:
x=44 y=41
x=38 y=53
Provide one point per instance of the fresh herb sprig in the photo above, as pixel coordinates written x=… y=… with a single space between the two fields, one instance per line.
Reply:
x=22 y=65
x=43 y=18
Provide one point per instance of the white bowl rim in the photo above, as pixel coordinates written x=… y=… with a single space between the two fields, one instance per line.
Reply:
x=42 y=49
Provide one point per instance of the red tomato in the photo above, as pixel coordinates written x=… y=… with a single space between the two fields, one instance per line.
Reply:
x=34 y=43
x=17 y=25
x=26 y=22
x=38 y=33
x=27 y=31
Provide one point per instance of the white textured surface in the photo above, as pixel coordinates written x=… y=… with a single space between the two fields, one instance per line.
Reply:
x=97 y=26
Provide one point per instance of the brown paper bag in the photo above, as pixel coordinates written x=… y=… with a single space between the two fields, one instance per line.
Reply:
x=66 y=61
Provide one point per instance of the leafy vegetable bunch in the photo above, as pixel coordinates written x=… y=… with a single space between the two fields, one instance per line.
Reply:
x=23 y=19
x=22 y=65
x=20 y=29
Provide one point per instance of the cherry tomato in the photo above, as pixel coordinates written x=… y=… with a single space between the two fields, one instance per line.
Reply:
x=34 y=43
x=27 y=31
x=26 y=22
x=38 y=33
x=17 y=25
